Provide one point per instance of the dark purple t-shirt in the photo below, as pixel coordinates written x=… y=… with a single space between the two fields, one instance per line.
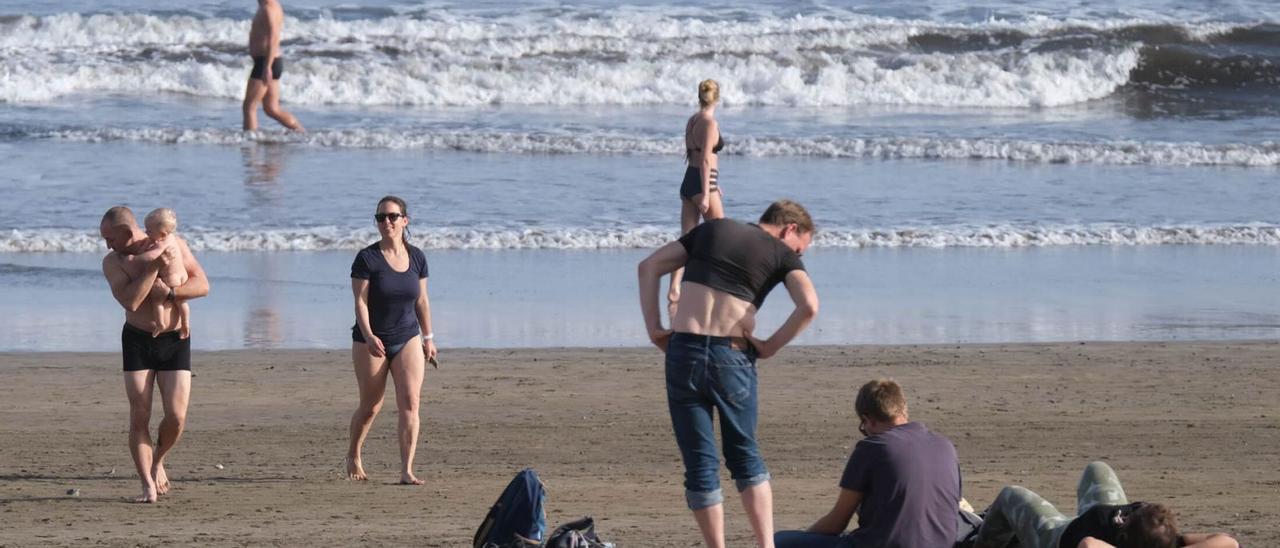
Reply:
x=909 y=478
x=392 y=295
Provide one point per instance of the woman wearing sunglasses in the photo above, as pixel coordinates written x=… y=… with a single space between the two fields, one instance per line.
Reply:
x=392 y=333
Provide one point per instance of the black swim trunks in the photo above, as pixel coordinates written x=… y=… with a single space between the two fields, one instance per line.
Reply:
x=143 y=352
x=692 y=184
x=259 y=66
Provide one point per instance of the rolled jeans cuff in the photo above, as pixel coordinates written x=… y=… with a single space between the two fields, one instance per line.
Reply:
x=752 y=481
x=703 y=499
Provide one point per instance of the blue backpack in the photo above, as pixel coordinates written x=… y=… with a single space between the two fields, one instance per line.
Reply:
x=517 y=519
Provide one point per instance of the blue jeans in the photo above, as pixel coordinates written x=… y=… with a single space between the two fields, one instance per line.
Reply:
x=801 y=539
x=705 y=376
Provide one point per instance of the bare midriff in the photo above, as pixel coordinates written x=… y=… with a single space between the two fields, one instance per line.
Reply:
x=260 y=44
x=707 y=311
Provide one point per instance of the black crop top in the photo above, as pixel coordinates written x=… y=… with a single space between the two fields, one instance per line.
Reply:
x=738 y=258
x=1098 y=522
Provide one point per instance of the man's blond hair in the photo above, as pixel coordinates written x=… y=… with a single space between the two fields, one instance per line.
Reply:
x=785 y=212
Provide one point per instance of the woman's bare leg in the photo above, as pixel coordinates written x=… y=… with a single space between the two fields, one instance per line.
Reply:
x=371 y=376
x=688 y=219
x=408 y=370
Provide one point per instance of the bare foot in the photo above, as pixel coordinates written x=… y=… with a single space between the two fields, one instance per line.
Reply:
x=162 y=479
x=407 y=478
x=355 y=470
x=148 y=495
x=184 y=332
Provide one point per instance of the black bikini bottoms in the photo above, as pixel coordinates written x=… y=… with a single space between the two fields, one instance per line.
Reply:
x=692 y=184
x=394 y=349
x=390 y=350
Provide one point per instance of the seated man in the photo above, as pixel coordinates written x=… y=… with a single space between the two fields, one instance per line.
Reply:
x=1104 y=519
x=902 y=480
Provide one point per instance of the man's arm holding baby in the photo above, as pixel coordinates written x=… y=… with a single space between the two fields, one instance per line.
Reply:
x=197 y=284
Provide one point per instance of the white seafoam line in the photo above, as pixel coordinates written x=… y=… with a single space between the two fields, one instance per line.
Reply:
x=1266 y=154
x=995 y=236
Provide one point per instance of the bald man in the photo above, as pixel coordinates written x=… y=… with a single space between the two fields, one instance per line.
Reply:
x=132 y=268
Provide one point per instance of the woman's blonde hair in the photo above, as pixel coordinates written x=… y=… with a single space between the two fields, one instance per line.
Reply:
x=708 y=92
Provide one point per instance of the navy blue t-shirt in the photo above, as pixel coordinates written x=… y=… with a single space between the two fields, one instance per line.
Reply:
x=909 y=478
x=392 y=295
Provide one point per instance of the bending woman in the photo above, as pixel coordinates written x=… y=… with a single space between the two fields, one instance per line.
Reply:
x=392 y=334
x=699 y=192
x=1104 y=519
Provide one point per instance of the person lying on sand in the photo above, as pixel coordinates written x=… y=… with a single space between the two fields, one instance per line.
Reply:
x=1104 y=519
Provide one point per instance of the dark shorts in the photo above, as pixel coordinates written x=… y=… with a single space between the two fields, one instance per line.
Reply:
x=259 y=66
x=142 y=352
x=691 y=186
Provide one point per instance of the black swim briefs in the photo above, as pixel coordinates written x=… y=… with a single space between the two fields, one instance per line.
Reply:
x=167 y=352
x=259 y=66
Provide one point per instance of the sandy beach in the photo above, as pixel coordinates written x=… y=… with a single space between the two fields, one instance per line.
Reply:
x=1196 y=425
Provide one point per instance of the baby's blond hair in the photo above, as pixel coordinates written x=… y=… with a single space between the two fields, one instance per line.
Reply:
x=162 y=219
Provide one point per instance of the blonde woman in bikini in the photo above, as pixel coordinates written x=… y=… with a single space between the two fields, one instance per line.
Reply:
x=700 y=194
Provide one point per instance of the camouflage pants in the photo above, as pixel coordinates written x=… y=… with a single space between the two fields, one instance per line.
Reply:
x=1020 y=513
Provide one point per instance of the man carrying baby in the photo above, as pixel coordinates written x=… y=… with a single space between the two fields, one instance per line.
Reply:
x=155 y=351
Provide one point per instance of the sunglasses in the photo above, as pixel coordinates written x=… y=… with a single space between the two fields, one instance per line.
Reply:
x=393 y=217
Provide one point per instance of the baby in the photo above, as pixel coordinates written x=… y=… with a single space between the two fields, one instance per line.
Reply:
x=161 y=225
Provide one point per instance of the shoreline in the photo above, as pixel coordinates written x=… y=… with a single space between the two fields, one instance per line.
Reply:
x=570 y=349
x=593 y=422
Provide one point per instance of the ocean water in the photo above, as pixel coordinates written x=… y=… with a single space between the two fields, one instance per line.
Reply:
x=998 y=171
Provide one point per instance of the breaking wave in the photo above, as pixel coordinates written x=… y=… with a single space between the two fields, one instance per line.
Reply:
x=995 y=236
x=634 y=57
x=1019 y=150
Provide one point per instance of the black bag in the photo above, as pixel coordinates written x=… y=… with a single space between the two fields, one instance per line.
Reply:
x=517 y=519
x=579 y=533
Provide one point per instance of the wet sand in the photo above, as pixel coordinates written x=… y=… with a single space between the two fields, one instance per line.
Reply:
x=1196 y=425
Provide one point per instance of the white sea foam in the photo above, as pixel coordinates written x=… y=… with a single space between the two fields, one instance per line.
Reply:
x=618 y=58
x=997 y=236
x=1073 y=152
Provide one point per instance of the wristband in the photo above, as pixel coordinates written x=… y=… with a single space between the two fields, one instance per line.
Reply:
x=428 y=336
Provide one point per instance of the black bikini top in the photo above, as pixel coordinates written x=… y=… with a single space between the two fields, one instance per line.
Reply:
x=716 y=149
